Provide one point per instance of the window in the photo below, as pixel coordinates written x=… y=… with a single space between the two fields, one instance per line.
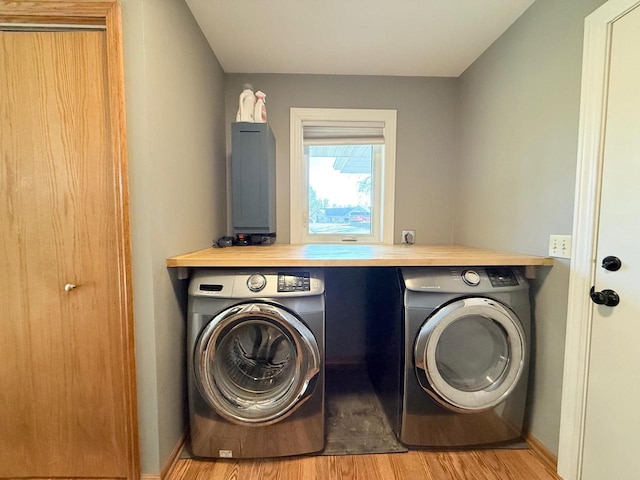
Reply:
x=342 y=175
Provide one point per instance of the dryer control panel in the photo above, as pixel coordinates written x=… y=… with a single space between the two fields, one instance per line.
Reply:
x=463 y=280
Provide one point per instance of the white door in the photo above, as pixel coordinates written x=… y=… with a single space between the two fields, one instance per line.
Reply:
x=612 y=420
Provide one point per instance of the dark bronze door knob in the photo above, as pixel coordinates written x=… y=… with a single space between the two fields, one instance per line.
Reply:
x=608 y=298
x=611 y=263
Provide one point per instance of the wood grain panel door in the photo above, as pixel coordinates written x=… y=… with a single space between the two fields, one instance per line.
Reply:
x=65 y=360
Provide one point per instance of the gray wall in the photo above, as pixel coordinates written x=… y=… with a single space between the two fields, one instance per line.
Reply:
x=519 y=110
x=176 y=140
x=425 y=163
x=425 y=140
x=502 y=177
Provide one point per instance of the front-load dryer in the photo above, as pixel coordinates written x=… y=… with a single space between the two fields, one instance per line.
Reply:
x=255 y=362
x=466 y=351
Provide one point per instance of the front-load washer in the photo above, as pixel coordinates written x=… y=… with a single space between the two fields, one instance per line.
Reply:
x=466 y=350
x=256 y=362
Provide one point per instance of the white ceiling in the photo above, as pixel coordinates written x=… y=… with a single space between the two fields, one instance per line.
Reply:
x=353 y=37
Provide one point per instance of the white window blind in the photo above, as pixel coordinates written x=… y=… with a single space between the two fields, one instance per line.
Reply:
x=344 y=133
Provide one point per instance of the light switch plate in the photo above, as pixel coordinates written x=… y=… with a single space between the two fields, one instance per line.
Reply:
x=560 y=246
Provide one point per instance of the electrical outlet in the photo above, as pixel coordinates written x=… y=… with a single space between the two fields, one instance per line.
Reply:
x=560 y=246
x=409 y=236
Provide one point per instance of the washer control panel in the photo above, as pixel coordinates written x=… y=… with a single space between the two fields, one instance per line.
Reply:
x=256 y=282
x=294 y=282
x=501 y=277
x=471 y=278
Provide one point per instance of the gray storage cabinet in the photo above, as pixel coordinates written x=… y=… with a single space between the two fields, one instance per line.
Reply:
x=253 y=179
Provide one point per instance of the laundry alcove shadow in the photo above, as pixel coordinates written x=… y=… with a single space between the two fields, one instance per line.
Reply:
x=355 y=422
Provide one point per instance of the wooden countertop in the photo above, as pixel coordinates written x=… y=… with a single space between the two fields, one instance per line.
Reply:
x=340 y=255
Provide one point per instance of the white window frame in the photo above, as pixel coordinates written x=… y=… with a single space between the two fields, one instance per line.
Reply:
x=299 y=195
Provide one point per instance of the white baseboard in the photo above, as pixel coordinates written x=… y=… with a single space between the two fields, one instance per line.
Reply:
x=170 y=464
x=145 y=476
x=546 y=456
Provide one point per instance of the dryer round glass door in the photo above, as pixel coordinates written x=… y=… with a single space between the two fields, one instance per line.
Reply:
x=470 y=354
x=255 y=363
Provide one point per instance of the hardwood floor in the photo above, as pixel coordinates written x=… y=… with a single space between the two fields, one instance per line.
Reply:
x=413 y=465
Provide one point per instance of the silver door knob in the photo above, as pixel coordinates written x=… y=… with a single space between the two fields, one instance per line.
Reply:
x=68 y=287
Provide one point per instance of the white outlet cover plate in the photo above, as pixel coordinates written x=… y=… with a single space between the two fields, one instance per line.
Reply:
x=411 y=236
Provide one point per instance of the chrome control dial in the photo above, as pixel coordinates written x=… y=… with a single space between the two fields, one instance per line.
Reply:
x=256 y=282
x=471 y=278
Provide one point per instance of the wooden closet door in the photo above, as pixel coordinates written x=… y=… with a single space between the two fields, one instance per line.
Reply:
x=62 y=363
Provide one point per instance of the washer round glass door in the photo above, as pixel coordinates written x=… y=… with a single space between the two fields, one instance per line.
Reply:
x=255 y=363
x=469 y=354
